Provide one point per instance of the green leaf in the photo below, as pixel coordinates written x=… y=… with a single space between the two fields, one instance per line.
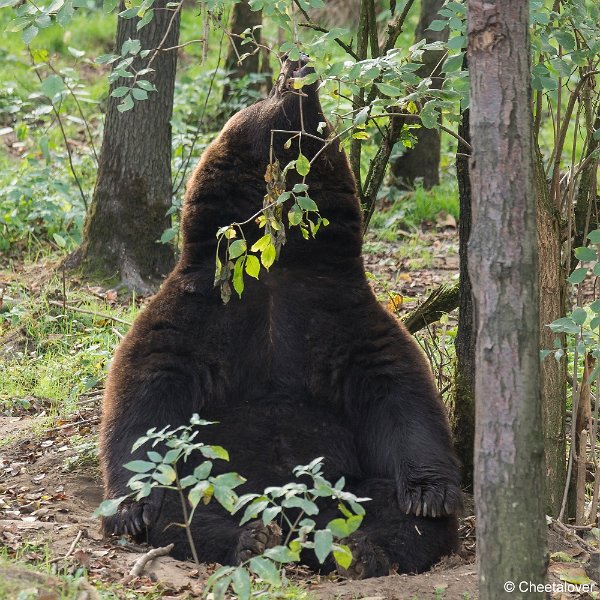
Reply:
x=429 y=115
x=307 y=203
x=323 y=544
x=596 y=269
x=197 y=492
x=270 y=513
x=339 y=528
x=453 y=63
x=60 y=240
x=252 y=266
x=131 y=47
x=225 y=496
x=214 y=452
x=268 y=256
x=565 y=39
x=564 y=325
x=238 y=275
x=165 y=475
x=309 y=507
x=295 y=215
x=203 y=470
x=139 y=466
x=126 y=105
x=139 y=94
x=29 y=33
x=302 y=165
x=594 y=236
x=577 y=276
x=261 y=243
x=148 y=16
x=595 y=306
x=237 y=248
x=282 y=554
x=240 y=581
x=585 y=254
x=119 y=92
x=109 y=5
x=266 y=570
x=168 y=235
x=343 y=556
x=146 y=85
x=108 y=508
x=361 y=116
x=437 y=25
x=390 y=90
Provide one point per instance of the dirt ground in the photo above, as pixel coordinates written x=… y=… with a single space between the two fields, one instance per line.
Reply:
x=48 y=494
x=49 y=489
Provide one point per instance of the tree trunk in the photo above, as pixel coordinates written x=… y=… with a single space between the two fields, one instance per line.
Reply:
x=503 y=266
x=423 y=160
x=133 y=190
x=552 y=306
x=463 y=422
x=242 y=18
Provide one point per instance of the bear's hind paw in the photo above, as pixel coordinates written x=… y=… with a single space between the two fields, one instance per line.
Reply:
x=368 y=559
x=255 y=538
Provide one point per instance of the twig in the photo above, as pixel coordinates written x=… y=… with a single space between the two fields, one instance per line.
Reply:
x=64 y=136
x=89 y=312
x=71 y=548
x=75 y=424
x=183 y=168
x=562 y=528
x=394 y=28
x=142 y=561
x=117 y=333
x=339 y=42
x=200 y=41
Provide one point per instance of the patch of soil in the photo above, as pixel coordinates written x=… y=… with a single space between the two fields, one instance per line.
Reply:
x=42 y=503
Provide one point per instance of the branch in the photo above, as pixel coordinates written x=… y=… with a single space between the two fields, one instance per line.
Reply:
x=441 y=301
x=394 y=28
x=339 y=42
x=88 y=312
x=142 y=561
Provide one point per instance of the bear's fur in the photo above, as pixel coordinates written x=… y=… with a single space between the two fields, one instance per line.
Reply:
x=306 y=364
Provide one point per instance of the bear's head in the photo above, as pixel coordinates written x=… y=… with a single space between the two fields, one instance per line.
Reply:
x=228 y=185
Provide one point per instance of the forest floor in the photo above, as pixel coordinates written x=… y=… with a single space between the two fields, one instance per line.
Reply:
x=50 y=484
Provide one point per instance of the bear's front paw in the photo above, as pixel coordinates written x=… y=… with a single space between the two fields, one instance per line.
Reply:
x=368 y=559
x=133 y=517
x=255 y=538
x=429 y=498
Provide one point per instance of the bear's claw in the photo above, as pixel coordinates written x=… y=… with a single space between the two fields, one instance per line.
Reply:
x=427 y=499
x=368 y=559
x=255 y=538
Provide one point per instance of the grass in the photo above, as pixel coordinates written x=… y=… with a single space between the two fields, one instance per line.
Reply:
x=60 y=355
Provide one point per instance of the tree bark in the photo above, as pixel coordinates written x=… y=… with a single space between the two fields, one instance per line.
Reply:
x=552 y=307
x=133 y=191
x=463 y=418
x=423 y=160
x=503 y=266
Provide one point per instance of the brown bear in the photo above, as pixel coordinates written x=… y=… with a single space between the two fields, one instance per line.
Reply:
x=307 y=363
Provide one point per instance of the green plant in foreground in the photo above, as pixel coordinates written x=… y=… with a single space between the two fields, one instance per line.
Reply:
x=161 y=470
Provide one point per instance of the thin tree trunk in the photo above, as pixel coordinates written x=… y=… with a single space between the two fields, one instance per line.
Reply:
x=463 y=421
x=133 y=190
x=552 y=306
x=503 y=266
x=423 y=160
